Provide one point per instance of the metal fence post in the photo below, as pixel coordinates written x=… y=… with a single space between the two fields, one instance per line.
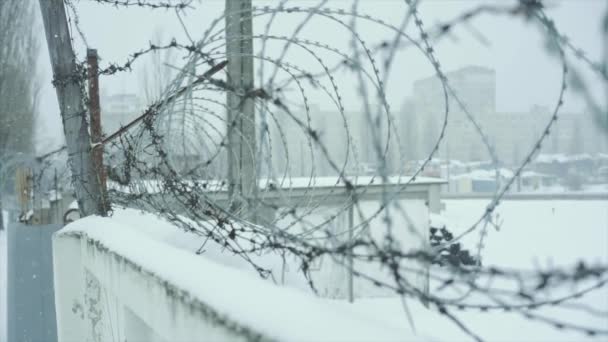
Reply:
x=95 y=122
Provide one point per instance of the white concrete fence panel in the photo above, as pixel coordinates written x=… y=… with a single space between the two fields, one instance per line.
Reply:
x=116 y=283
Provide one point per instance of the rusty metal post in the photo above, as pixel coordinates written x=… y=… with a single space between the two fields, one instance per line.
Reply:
x=95 y=125
x=23 y=188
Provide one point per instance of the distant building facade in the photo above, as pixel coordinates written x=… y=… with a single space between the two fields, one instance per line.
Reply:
x=512 y=135
x=426 y=113
x=345 y=143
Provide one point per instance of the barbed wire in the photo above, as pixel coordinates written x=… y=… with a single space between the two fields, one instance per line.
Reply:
x=173 y=161
x=152 y=4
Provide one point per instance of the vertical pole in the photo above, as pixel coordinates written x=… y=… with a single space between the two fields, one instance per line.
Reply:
x=447 y=148
x=58 y=201
x=37 y=213
x=95 y=122
x=351 y=263
x=68 y=84
x=23 y=190
x=242 y=186
x=1 y=213
x=605 y=118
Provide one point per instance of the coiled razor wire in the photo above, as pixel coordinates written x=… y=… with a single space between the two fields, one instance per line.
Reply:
x=174 y=162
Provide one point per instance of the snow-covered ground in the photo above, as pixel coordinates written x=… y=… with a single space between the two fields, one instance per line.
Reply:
x=595 y=188
x=537 y=232
x=561 y=189
x=490 y=326
x=532 y=234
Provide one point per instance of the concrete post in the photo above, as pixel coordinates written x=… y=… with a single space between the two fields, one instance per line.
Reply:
x=241 y=112
x=68 y=85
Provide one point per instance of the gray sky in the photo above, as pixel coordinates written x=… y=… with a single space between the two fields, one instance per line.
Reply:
x=526 y=75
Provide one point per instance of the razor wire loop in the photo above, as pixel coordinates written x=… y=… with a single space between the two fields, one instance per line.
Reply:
x=147 y=172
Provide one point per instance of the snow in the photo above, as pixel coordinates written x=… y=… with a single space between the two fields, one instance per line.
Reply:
x=154 y=186
x=595 y=188
x=564 y=158
x=541 y=231
x=499 y=326
x=282 y=313
x=437 y=221
x=532 y=174
x=54 y=195
x=27 y=216
x=481 y=174
x=304 y=182
x=532 y=234
x=165 y=232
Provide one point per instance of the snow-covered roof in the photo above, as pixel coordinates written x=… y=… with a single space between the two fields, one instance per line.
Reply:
x=480 y=174
x=154 y=186
x=563 y=158
x=533 y=174
x=54 y=195
x=304 y=182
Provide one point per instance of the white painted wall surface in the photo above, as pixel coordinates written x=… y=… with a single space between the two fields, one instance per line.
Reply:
x=116 y=283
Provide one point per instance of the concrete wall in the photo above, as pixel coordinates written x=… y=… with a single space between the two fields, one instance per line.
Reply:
x=115 y=283
x=331 y=275
x=101 y=296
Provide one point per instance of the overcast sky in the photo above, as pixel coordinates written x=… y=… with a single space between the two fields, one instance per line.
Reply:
x=526 y=75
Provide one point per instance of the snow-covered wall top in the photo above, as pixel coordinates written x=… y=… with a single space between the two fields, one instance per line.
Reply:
x=129 y=277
